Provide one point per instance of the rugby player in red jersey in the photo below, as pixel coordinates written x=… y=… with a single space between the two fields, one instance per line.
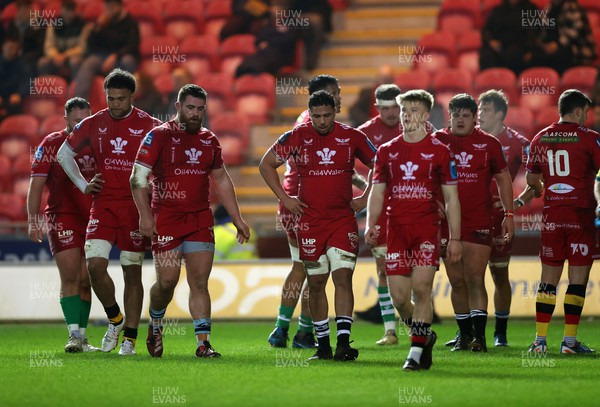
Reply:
x=324 y=153
x=491 y=113
x=65 y=218
x=114 y=135
x=184 y=158
x=409 y=172
x=565 y=155
x=381 y=129
x=479 y=159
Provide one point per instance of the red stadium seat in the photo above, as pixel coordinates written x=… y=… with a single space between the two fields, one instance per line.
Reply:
x=148 y=15
x=539 y=87
x=12 y=207
x=47 y=96
x=51 y=124
x=22 y=166
x=458 y=16
x=255 y=96
x=164 y=84
x=215 y=16
x=468 y=51
x=183 y=18
x=234 y=49
x=486 y=7
x=541 y=4
x=232 y=129
x=579 y=77
x=18 y=135
x=5 y=173
x=497 y=78
x=53 y=7
x=520 y=119
x=410 y=80
x=446 y=83
x=97 y=96
x=544 y=118
x=220 y=90
x=91 y=10
x=435 y=51
x=159 y=54
x=201 y=54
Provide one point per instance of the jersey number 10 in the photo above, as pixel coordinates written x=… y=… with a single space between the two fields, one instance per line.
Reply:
x=558 y=163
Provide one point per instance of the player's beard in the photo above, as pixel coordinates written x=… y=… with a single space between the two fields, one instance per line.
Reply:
x=190 y=125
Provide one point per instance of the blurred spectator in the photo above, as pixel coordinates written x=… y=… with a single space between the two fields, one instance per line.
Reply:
x=147 y=97
x=226 y=244
x=509 y=36
x=318 y=13
x=14 y=85
x=113 y=42
x=275 y=48
x=247 y=17
x=64 y=45
x=567 y=40
x=364 y=107
x=31 y=31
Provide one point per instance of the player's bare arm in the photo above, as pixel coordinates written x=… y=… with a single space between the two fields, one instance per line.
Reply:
x=268 y=169
x=452 y=212
x=597 y=193
x=505 y=191
x=34 y=199
x=140 y=193
x=359 y=181
x=374 y=208
x=524 y=197
x=360 y=202
x=535 y=181
x=225 y=189
x=66 y=159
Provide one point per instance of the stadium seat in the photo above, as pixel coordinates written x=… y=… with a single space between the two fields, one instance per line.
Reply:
x=458 y=16
x=520 y=119
x=436 y=51
x=539 y=87
x=255 y=96
x=215 y=16
x=234 y=49
x=51 y=124
x=159 y=54
x=91 y=10
x=183 y=18
x=12 y=207
x=541 y=4
x=220 y=91
x=486 y=7
x=18 y=135
x=53 y=7
x=233 y=131
x=164 y=84
x=497 y=78
x=417 y=79
x=298 y=62
x=5 y=173
x=8 y=13
x=448 y=82
x=201 y=54
x=148 y=15
x=579 y=77
x=468 y=51
x=544 y=118
x=97 y=96
x=21 y=173
x=47 y=96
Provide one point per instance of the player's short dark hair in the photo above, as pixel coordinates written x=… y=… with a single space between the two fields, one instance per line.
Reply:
x=119 y=79
x=320 y=82
x=417 y=95
x=496 y=98
x=321 y=98
x=462 y=101
x=191 y=90
x=76 y=103
x=570 y=100
x=387 y=91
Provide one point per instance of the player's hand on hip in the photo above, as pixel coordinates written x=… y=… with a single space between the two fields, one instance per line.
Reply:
x=441 y=209
x=243 y=231
x=95 y=185
x=294 y=205
x=359 y=203
x=148 y=226
x=453 y=251
x=508 y=228
x=371 y=235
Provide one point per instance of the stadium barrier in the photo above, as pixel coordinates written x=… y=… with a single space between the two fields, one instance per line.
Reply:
x=252 y=290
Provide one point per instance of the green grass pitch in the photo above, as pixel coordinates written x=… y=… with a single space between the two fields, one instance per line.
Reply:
x=35 y=371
